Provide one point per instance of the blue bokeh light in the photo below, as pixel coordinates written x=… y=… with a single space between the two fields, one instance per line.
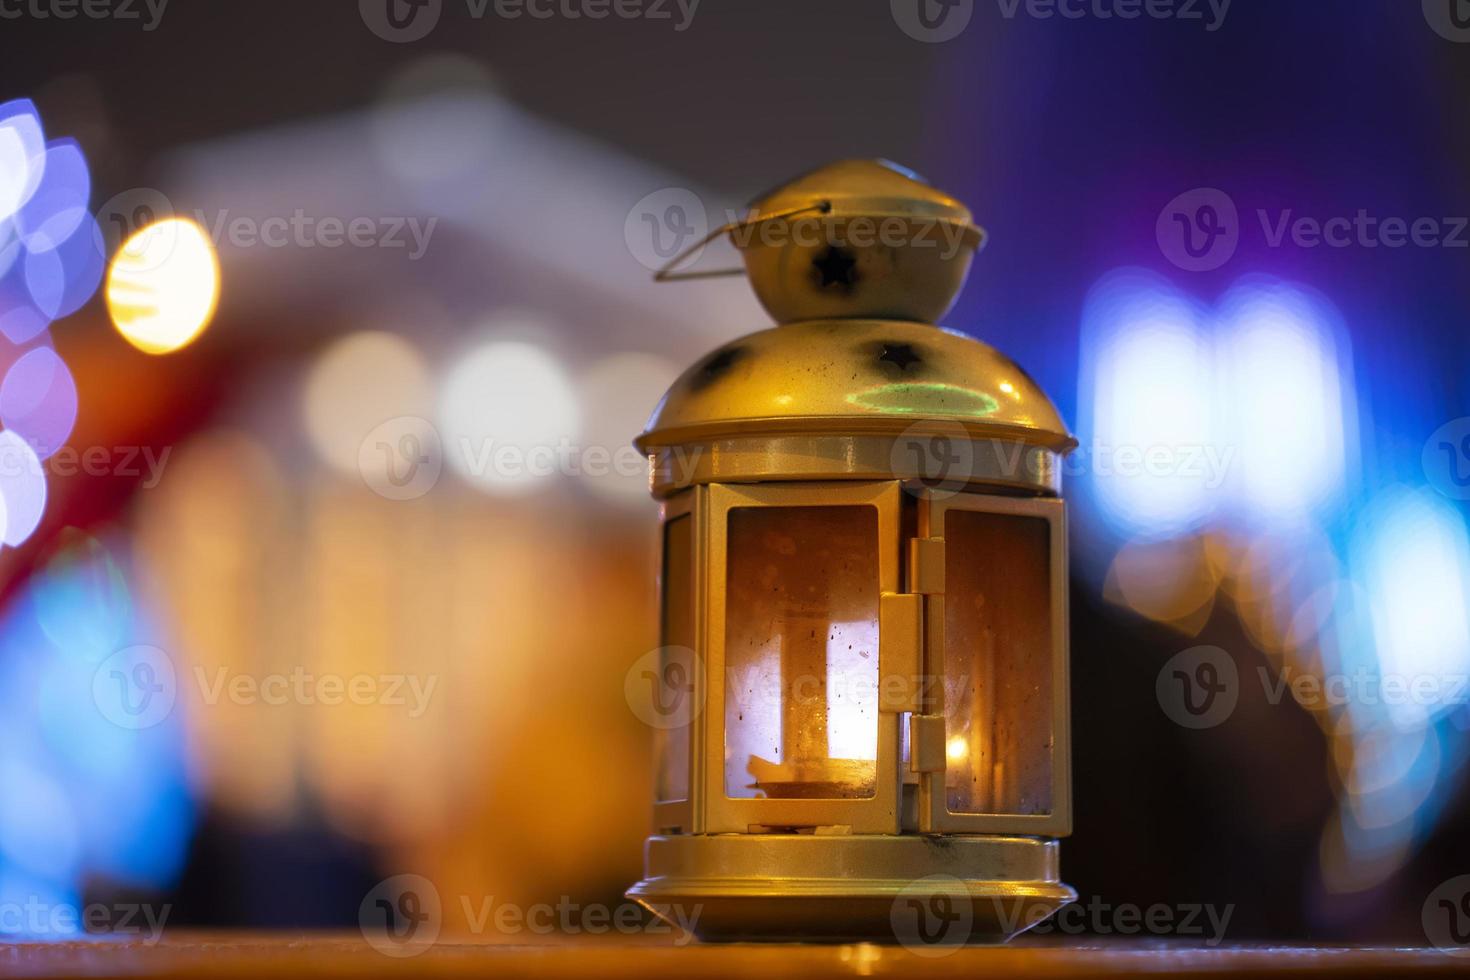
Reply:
x=59 y=204
x=85 y=799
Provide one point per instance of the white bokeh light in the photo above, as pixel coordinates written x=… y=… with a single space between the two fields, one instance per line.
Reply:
x=22 y=489
x=358 y=383
x=509 y=417
x=1284 y=402
x=22 y=155
x=1414 y=563
x=1150 y=421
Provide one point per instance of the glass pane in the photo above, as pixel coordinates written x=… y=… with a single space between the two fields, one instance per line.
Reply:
x=997 y=663
x=677 y=660
x=801 y=653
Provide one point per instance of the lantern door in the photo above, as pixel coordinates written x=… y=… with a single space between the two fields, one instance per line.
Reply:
x=668 y=686
x=802 y=580
x=992 y=744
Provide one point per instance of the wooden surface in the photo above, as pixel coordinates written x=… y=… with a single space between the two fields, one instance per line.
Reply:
x=347 y=955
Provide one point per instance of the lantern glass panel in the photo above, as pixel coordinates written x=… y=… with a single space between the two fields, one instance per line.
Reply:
x=801 y=653
x=998 y=663
x=676 y=660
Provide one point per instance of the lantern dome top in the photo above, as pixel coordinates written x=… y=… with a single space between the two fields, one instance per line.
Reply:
x=857 y=239
x=854 y=377
x=856 y=261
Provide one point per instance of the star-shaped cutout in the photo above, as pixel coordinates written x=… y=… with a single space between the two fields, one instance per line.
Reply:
x=835 y=267
x=720 y=362
x=901 y=356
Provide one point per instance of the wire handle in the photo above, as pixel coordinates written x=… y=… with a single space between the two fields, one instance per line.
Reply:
x=668 y=273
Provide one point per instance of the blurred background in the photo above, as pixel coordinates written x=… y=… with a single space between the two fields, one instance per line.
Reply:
x=325 y=221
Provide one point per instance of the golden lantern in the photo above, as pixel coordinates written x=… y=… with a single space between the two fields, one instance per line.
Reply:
x=863 y=592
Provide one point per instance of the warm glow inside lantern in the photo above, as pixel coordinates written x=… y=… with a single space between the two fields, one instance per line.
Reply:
x=863 y=593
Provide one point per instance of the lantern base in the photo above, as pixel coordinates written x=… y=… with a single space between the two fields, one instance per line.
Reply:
x=918 y=889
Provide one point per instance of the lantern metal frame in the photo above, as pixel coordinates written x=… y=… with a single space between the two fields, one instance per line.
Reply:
x=846 y=402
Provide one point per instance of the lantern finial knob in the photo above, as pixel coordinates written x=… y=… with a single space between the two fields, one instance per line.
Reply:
x=857 y=239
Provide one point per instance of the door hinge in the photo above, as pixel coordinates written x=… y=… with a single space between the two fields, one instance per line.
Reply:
x=926 y=743
x=900 y=651
x=926 y=566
